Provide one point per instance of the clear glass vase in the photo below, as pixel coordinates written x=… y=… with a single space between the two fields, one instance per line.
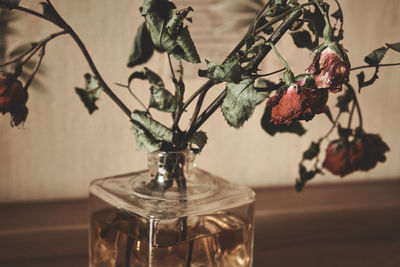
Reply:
x=173 y=214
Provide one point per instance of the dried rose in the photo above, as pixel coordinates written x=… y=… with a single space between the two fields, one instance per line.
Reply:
x=363 y=153
x=330 y=69
x=13 y=98
x=297 y=103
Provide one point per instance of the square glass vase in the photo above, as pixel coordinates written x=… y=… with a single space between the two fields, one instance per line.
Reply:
x=172 y=214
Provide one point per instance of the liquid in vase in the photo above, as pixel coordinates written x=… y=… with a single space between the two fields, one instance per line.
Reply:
x=146 y=219
x=217 y=240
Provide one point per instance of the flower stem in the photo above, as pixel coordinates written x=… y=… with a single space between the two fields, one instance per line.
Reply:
x=374 y=66
x=283 y=61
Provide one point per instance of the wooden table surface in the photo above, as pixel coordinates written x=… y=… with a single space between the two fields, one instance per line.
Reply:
x=328 y=225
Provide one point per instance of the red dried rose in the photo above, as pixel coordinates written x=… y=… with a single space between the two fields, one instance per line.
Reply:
x=296 y=104
x=363 y=153
x=330 y=72
x=13 y=98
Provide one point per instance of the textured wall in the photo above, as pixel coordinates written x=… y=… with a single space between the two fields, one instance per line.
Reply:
x=61 y=148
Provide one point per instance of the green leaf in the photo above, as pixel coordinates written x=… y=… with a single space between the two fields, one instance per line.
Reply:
x=395 y=46
x=147 y=74
x=376 y=56
x=144 y=139
x=142 y=49
x=230 y=71
x=312 y=151
x=185 y=48
x=167 y=30
x=91 y=93
x=344 y=100
x=162 y=99
x=239 y=103
x=10 y=4
x=302 y=39
x=198 y=141
x=156 y=129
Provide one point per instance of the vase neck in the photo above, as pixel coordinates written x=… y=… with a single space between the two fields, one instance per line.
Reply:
x=169 y=168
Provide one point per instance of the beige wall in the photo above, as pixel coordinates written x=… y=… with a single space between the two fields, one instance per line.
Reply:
x=61 y=148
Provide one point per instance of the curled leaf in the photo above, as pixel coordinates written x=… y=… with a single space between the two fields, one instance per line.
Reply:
x=198 y=141
x=142 y=49
x=167 y=29
x=376 y=56
x=160 y=98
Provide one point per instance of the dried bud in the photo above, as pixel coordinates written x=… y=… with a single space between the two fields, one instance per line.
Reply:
x=330 y=71
x=13 y=98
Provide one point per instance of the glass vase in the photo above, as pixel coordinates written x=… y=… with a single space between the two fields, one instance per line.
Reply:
x=172 y=214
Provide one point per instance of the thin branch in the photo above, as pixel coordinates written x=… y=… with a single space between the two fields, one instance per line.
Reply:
x=374 y=66
x=269 y=74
